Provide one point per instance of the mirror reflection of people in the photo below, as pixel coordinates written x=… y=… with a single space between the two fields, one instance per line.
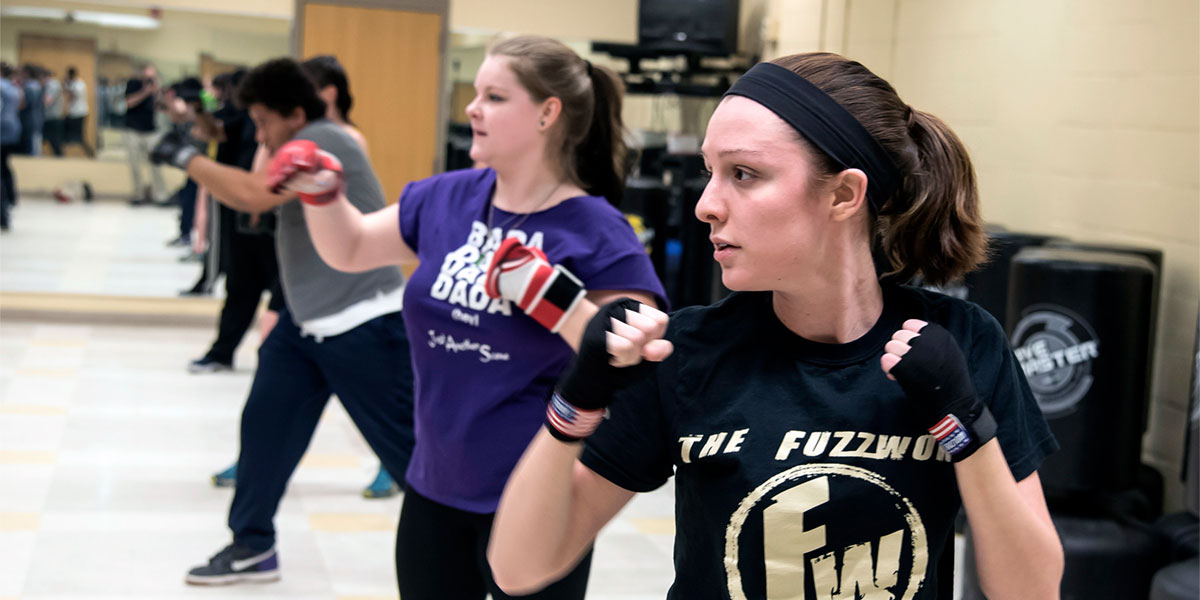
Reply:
x=76 y=93
x=141 y=100
x=823 y=428
x=10 y=139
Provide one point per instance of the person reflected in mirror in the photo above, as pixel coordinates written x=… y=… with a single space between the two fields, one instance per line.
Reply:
x=76 y=94
x=142 y=95
x=33 y=111
x=52 y=95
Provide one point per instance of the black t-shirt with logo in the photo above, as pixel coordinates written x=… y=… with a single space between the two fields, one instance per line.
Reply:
x=800 y=471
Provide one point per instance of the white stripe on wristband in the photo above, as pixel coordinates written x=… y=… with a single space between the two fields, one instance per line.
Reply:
x=570 y=420
x=951 y=434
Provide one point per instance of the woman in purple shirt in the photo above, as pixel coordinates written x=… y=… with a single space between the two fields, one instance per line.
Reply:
x=547 y=124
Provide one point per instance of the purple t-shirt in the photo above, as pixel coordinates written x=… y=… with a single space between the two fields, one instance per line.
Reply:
x=484 y=369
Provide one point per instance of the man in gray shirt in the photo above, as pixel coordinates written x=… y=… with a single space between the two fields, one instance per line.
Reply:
x=52 y=127
x=339 y=332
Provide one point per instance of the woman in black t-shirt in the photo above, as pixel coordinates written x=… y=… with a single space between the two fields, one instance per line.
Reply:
x=823 y=428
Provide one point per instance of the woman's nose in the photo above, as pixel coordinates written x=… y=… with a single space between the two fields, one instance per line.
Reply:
x=709 y=208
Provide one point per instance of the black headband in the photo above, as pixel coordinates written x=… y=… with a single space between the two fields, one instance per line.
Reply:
x=823 y=122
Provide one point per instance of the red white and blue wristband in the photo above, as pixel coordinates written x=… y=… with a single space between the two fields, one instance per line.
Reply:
x=568 y=422
x=960 y=440
x=951 y=435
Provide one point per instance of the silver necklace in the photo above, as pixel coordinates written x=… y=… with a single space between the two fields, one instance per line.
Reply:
x=492 y=210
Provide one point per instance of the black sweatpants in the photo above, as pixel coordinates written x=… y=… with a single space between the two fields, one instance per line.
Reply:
x=441 y=552
x=370 y=370
x=250 y=269
x=52 y=132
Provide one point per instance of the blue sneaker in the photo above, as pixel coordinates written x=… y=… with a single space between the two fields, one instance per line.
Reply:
x=383 y=486
x=226 y=478
x=235 y=564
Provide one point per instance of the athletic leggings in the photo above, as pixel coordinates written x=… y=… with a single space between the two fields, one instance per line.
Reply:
x=441 y=554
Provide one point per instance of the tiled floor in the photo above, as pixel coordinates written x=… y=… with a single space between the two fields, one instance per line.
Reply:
x=104 y=247
x=107 y=445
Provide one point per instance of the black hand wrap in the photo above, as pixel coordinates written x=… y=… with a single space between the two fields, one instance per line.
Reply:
x=934 y=376
x=589 y=383
x=173 y=149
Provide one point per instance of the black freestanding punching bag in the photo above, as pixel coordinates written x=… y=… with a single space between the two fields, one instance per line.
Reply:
x=1155 y=256
x=987 y=286
x=1105 y=559
x=1079 y=323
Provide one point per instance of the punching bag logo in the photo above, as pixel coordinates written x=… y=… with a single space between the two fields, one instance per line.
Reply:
x=1056 y=349
x=789 y=538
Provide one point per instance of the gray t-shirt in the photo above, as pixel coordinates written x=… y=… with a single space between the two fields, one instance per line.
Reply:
x=54 y=99
x=312 y=288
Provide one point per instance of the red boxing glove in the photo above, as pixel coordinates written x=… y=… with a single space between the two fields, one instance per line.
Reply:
x=303 y=167
x=524 y=275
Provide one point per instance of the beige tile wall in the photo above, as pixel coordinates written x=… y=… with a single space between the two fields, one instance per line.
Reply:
x=1082 y=119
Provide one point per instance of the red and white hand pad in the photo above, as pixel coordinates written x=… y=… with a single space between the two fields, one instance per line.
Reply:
x=303 y=167
x=524 y=275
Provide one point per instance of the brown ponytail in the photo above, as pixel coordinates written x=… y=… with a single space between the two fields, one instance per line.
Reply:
x=600 y=157
x=931 y=226
x=589 y=135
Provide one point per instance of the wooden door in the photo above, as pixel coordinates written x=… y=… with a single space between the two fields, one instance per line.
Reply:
x=393 y=59
x=57 y=53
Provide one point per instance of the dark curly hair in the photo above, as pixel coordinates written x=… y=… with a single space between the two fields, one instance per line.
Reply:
x=281 y=86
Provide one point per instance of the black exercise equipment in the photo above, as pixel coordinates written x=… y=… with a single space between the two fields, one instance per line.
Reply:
x=1180 y=581
x=1104 y=559
x=1181 y=533
x=649 y=198
x=697 y=269
x=1079 y=324
x=987 y=286
x=704 y=27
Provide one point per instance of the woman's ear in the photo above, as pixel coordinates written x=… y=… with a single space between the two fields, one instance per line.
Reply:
x=551 y=109
x=848 y=191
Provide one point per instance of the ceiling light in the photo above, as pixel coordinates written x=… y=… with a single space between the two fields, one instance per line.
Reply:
x=104 y=19
x=34 y=12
